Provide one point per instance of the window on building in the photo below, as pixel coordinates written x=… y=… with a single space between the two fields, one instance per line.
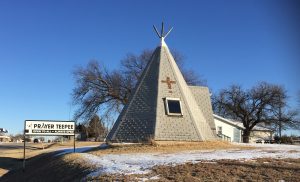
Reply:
x=219 y=130
x=173 y=106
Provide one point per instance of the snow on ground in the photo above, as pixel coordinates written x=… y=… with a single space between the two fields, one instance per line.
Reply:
x=79 y=149
x=143 y=162
x=270 y=146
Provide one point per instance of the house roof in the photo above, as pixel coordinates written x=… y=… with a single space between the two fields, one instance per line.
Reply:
x=3 y=136
x=261 y=128
x=240 y=124
x=235 y=124
x=3 y=130
x=202 y=97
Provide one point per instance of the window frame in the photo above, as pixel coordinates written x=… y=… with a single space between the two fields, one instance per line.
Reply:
x=219 y=130
x=167 y=106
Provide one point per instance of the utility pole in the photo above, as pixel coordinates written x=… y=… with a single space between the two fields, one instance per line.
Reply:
x=280 y=121
x=280 y=116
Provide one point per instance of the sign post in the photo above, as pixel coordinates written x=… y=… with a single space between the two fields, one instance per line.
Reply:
x=47 y=128
x=24 y=157
x=74 y=142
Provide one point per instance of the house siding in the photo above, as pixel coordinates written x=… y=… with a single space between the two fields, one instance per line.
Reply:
x=229 y=130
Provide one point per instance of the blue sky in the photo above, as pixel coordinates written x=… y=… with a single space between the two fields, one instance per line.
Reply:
x=226 y=42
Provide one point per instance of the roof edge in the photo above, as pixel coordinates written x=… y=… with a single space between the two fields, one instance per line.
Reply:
x=227 y=121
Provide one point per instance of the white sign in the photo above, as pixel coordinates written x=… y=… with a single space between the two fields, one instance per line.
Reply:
x=49 y=127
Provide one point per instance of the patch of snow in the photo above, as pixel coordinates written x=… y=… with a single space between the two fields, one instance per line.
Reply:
x=126 y=143
x=154 y=177
x=141 y=163
x=270 y=146
x=151 y=178
x=79 y=149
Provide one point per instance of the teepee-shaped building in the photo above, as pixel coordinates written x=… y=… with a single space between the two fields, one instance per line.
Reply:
x=163 y=106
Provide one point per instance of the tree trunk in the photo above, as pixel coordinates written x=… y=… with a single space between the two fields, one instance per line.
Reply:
x=246 y=136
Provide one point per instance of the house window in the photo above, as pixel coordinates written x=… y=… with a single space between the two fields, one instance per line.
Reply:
x=219 y=130
x=173 y=106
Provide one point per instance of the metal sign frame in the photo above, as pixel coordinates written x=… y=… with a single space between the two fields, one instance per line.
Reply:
x=50 y=134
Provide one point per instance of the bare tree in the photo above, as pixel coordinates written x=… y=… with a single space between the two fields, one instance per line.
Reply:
x=96 y=128
x=284 y=119
x=17 y=137
x=95 y=88
x=133 y=66
x=251 y=107
x=105 y=92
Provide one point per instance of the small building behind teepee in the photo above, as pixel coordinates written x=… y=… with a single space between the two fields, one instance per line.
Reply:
x=163 y=107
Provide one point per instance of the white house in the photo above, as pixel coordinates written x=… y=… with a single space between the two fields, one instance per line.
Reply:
x=4 y=138
x=261 y=133
x=233 y=130
x=3 y=135
x=228 y=130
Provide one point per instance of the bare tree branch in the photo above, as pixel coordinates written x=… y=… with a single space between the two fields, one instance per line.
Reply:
x=255 y=106
x=99 y=90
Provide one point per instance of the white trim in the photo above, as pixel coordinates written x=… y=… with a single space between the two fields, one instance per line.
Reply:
x=163 y=43
x=167 y=106
x=238 y=125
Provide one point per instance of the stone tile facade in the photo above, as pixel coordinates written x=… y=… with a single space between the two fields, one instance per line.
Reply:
x=145 y=116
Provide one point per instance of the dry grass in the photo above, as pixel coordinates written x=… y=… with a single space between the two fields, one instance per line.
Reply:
x=46 y=167
x=3 y=171
x=264 y=169
x=11 y=158
x=17 y=153
x=39 y=148
x=165 y=147
x=75 y=159
x=72 y=167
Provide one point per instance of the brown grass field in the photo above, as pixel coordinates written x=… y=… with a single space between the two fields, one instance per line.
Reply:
x=273 y=170
x=42 y=165
x=166 y=147
x=12 y=158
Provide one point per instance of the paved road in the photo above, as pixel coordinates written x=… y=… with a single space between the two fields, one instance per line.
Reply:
x=14 y=145
x=8 y=147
